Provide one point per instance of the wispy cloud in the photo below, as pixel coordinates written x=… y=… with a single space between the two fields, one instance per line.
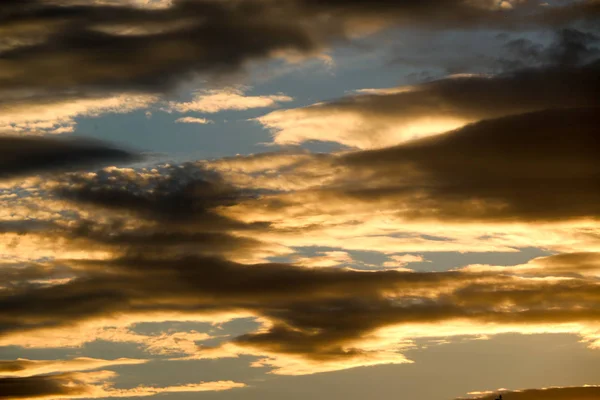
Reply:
x=24 y=368
x=213 y=101
x=86 y=385
x=193 y=120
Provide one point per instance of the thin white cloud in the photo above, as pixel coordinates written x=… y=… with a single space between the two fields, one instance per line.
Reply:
x=213 y=101
x=193 y=120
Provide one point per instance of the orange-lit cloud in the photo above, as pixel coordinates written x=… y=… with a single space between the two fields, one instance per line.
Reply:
x=382 y=118
x=339 y=318
x=78 y=385
x=212 y=101
x=24 y=368
x=170 y=234
x=217 y=37
x=193 y=120
x=56 y=114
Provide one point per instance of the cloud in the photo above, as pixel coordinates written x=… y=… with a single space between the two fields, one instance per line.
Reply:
x=382 y=118
x=192 y=120
x=213 y=101
x=570 y=47
x=54 y=47
x=339 y=318
x=493 y=170
x=589 y=392
x=168 y=212
x=400 y=261
x=74 y=35
x=78 y=385
x=436 y=55
x=566 y=265
x=476 y=189
x=22 y=155
x=175 y=247
x=266 y=205
x=24 y=368
x=325 y=259
x=46 y=114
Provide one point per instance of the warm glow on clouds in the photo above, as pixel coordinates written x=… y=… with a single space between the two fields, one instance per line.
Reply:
x=374 y=352
x=86 y=385
x=426 y=224
x=120 y=329
x=325 y=259
x=192 y=120
x=212 y=101
x=376 y=118
x=351 y=129
x=56 y=115
x=330 y=324
x=163 y=263
x=23 y=367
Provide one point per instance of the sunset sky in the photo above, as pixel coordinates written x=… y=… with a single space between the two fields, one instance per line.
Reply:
x=300 y=199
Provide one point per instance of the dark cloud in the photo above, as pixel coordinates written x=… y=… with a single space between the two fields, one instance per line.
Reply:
x=181 y=193
x=196 y=36
x=98 y=384
x=189 y=283
x=176 y=212
x=160 y=227
x=571 y=47
x=391 y=116
x=481 y=97
x=492 y=170
x=495 y=169
x=29 y=155
x=316 y=313
x=41 y=386
x=30 y=275
x=61 y=47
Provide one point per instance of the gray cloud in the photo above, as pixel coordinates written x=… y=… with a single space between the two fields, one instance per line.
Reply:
x=61 y=47
x=493 y=170
x=160 y=231
x=571 y=47
x=316 y=314
x=29 y=155
x=41 y=386
x=93 y=385
x=504 y=165
x=380 y=118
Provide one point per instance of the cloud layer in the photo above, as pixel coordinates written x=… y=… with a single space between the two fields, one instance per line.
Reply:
x=22 y=155
x=463 y=164
x=92 y=385
x=386 y=117
x=151 y=49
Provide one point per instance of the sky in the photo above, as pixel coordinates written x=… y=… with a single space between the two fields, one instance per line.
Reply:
x=300 y=199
